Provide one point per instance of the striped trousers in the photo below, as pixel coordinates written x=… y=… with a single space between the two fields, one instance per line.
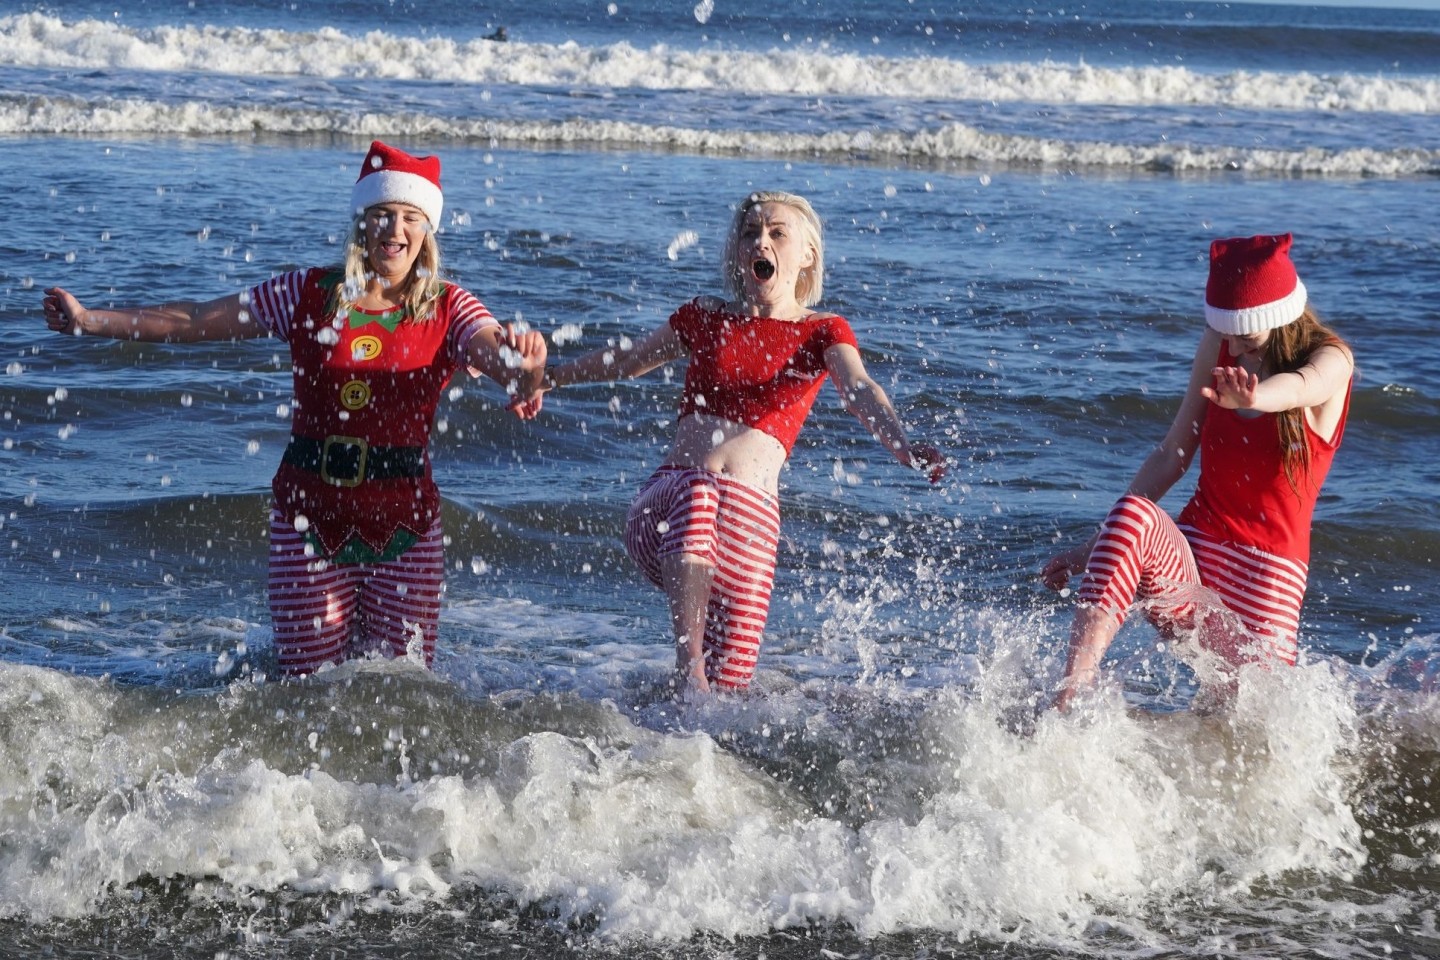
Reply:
x=1142 y=556
x=732 y=526
x=325 y=612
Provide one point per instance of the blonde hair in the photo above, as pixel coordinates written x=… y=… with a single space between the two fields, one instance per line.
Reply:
x=1288 y=349
x=810 y=285
x=420 y=290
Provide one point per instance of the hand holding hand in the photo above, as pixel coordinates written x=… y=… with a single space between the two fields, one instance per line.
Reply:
x=1234 y=388
x=63 y=313
x=526 y=352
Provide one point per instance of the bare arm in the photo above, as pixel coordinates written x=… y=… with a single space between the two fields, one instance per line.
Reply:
x=179 y=321
x=626 y=360
x=1169 y=461
x=1319 y=381
x=1165 y=465
x=865 y=399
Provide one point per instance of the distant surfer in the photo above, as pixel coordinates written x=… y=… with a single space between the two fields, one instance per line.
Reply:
x=356 y=548
x=1266 y=408
x=499 y=36
x=705 y=526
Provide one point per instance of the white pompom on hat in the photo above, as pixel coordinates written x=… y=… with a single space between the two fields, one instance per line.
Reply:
x=1253 y=286
x=389 y=175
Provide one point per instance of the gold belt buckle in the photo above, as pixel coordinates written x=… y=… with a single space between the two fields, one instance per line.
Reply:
x=352 y=479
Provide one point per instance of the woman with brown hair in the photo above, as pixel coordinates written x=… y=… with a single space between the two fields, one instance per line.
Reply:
x=1266 y=407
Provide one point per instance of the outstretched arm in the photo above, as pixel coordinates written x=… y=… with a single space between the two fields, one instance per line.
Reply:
x=1165 y=465
x=865 y=399
x=627 y=359
x=179 y=321
x=1321 y=379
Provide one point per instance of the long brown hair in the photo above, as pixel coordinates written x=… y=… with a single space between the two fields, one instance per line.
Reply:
x=1288 y=349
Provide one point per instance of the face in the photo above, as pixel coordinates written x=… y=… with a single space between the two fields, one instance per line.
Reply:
x=1251 y=346
x=394 y=233
x=772 y=251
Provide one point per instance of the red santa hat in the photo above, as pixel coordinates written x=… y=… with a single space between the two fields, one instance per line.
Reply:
x=1253 y=286
x=389 y=175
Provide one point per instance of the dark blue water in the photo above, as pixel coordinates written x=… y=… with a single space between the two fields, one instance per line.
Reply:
x=1024 y=270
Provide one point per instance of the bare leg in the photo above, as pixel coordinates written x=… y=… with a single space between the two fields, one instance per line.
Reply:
x=1091 y=632
x=687 y=587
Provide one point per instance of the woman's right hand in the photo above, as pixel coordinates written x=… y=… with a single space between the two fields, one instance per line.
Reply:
x=63 y=312
x=1059 y=568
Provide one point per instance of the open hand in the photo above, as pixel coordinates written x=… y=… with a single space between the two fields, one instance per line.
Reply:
x=1234 y=388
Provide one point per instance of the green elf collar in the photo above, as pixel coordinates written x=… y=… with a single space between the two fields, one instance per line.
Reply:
x=390 y=319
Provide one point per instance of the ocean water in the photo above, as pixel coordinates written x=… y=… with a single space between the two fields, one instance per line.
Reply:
x=1018 y=201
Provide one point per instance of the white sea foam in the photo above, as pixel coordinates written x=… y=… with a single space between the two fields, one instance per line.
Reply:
x=952 y=142
x=39 y=40
x=666 y=834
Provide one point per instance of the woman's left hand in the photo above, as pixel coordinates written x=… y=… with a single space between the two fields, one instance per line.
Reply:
x=929 y=460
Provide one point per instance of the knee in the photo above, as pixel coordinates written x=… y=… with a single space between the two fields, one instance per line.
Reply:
x=1135 y=510
x=1136 y=503
x=688 y=562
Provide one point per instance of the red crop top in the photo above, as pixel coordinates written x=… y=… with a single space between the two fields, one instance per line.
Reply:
x=757 y=371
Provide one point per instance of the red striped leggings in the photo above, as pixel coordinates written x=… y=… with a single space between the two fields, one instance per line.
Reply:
x=729 y=525
x=325 y=612
x=1143 y=556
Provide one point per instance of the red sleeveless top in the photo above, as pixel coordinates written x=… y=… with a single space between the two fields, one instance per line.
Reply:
x=757 y=371
x=1242 y=495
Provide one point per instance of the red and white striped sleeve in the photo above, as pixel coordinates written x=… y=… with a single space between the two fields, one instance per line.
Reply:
x=468 y=316
x=272 y=303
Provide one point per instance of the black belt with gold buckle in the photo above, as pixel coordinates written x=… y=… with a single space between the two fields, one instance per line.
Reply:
x=350 y=461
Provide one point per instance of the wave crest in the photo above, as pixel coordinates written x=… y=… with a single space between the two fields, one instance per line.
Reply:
x=37 y=40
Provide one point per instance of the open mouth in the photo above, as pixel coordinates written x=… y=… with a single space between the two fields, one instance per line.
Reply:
x=763 y=269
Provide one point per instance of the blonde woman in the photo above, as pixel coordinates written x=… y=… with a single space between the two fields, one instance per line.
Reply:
x=705 y=527
x=356 y=556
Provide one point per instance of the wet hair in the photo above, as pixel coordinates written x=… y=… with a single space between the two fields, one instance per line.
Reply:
x=419 y=292
x=810 y=285
x=1288 y=349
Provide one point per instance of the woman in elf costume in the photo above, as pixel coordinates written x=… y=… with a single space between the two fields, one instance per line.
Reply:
x=356 y=556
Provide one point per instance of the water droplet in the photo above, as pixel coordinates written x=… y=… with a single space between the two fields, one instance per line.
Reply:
x=684 y=240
